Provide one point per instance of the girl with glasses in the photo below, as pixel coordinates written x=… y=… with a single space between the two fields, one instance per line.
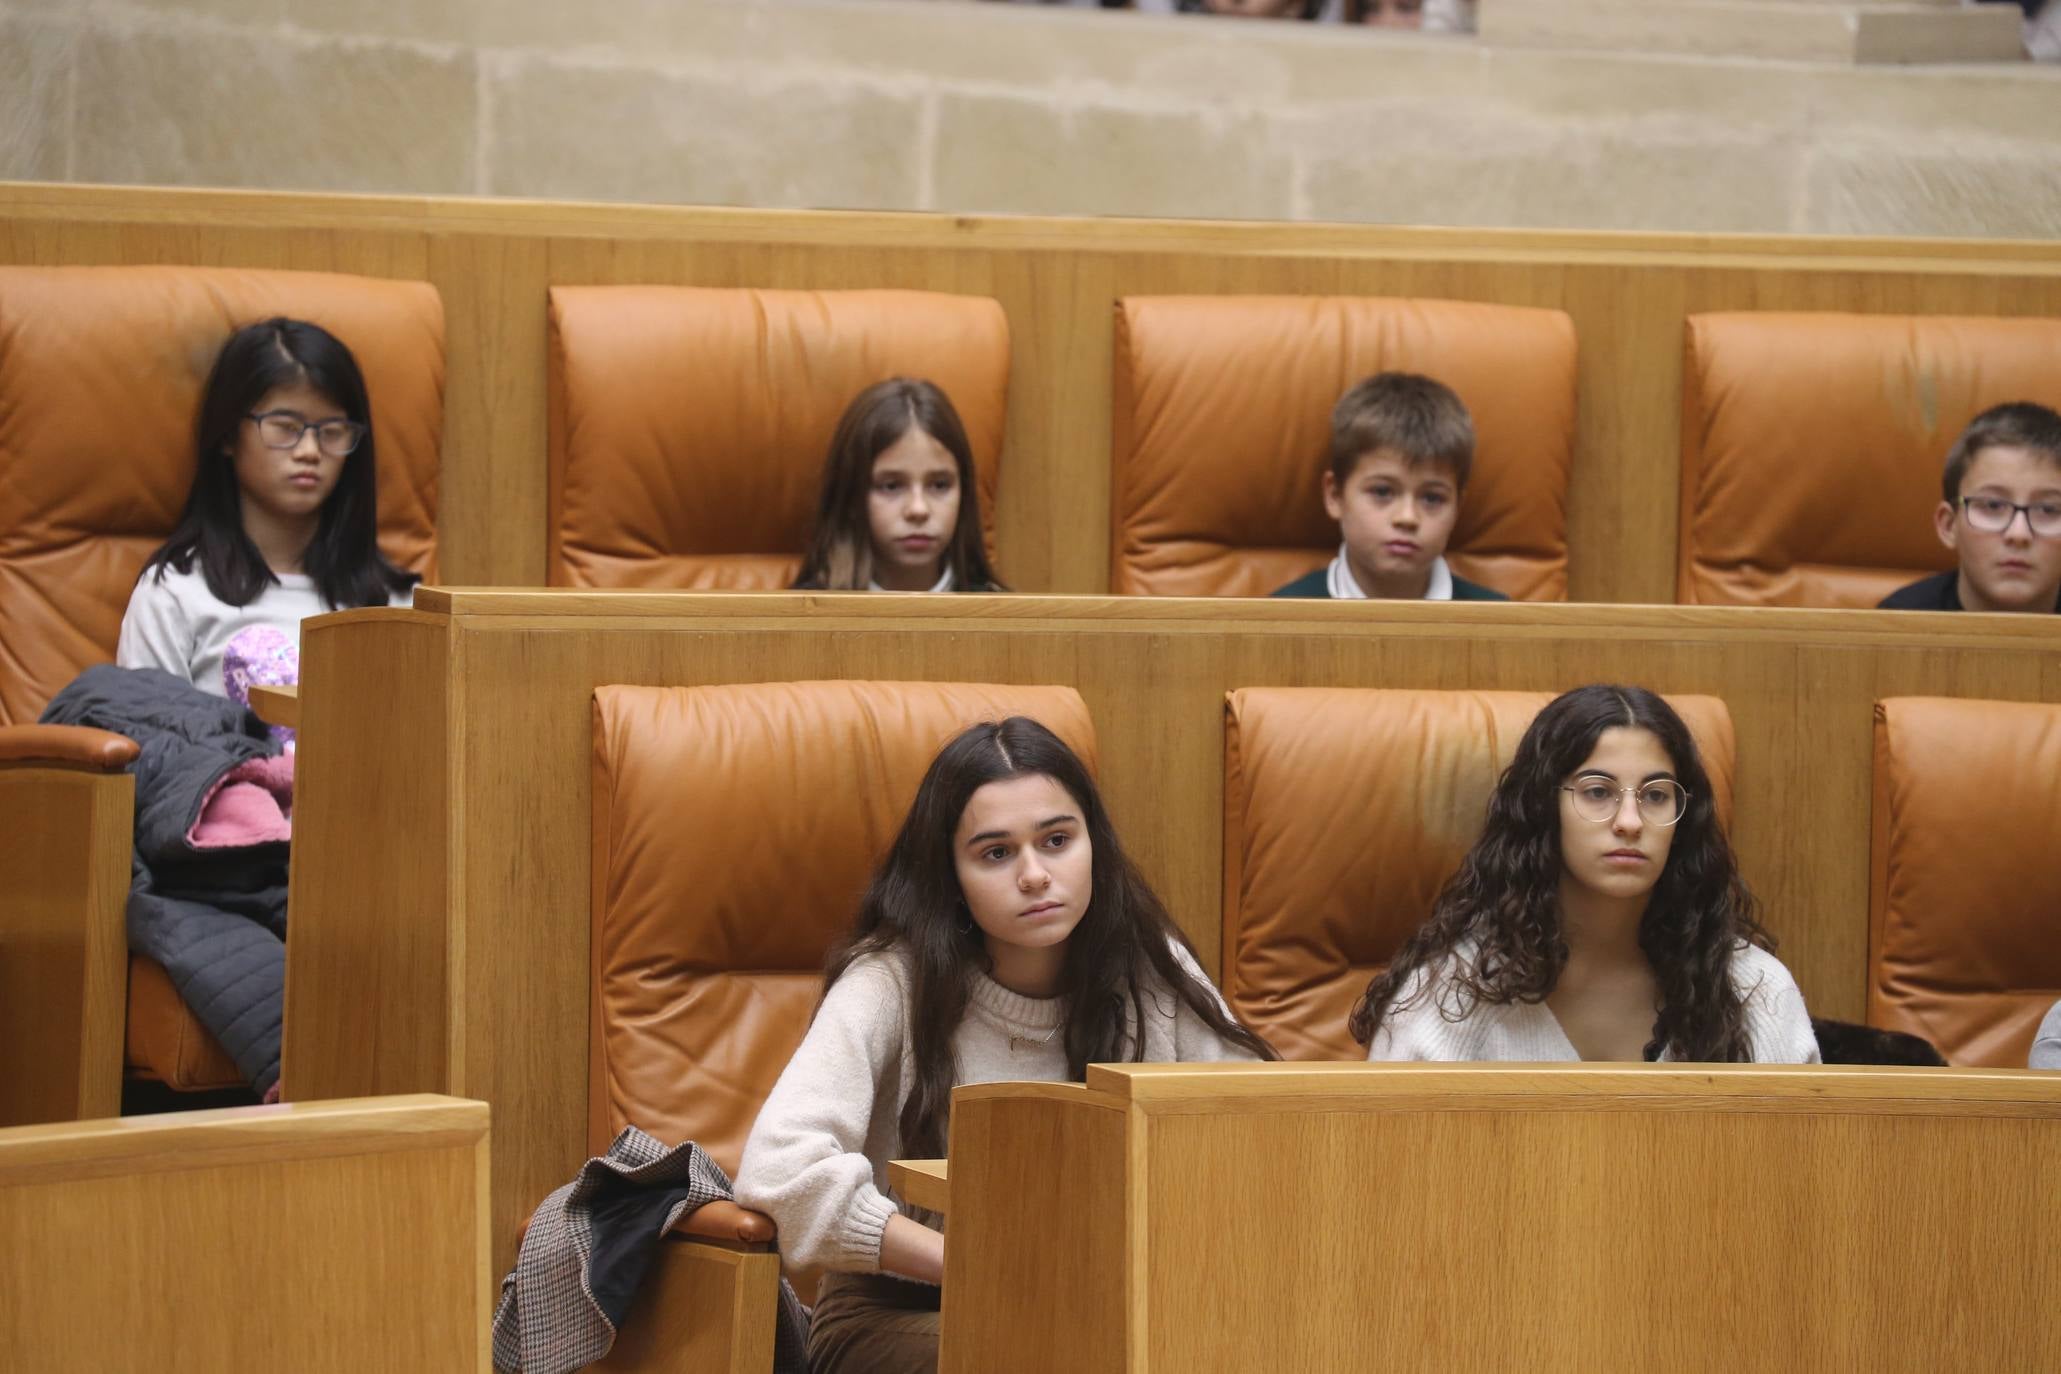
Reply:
x=1600 y=916
x=281 y=521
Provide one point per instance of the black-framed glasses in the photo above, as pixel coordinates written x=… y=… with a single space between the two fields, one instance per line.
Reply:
x=1993 y=515
x=1661 y=801
x=283 y=429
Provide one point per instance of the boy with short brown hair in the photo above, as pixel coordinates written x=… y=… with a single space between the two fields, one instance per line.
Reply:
x=1402 y=447
x=2000 y=512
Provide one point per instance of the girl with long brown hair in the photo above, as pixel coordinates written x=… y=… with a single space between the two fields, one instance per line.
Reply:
x=900 y=510
x=1005 y=937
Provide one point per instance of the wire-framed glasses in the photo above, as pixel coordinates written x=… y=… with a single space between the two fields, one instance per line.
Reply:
x=283 y=429
x=1661 y=801
x=1993 y=515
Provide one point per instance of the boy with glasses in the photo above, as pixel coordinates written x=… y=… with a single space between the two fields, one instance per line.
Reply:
x=2001 y=515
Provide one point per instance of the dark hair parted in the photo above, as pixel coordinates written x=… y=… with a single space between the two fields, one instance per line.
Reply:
x=840 y=556
x=1414 y=417
x=343 y=559
x=1120 y=954
x=1504 y=899
x=2015 y=424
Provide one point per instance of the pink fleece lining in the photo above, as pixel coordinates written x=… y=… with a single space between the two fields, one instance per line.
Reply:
x=252 y=804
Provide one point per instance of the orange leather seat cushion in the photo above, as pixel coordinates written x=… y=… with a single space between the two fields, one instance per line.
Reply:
x=101 y=370
x=689 y=425
x=1222 y=423
x=735 y=829
x=1964 y=900
x=1345 y=811
x=1812 y=446
x=163 y=1040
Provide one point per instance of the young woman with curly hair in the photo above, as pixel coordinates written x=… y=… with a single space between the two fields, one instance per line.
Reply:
x=1600 y=915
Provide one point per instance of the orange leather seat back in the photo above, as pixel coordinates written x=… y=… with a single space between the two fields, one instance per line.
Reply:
x=1345 y=811
x=735 y=830
x=101 y=370
x=689 y=425
x=1812 y=446
x=1222 y=424
x=1964 y=898
x=163 y=1040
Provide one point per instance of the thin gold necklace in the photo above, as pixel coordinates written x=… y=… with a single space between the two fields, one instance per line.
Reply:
x=1019 y=1042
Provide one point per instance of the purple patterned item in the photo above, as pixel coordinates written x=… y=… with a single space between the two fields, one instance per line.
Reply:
x=260 y=656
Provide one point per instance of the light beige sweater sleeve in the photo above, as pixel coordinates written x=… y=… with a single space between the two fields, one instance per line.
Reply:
x=809 y=1162
x=816 y=1159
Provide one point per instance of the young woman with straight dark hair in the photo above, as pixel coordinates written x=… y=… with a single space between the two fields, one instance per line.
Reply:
x=282 y=520
x=1005 y=937
x=1599 y=916
x=900 y=510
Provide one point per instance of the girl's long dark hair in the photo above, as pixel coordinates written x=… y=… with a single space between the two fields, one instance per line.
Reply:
x=1504 y=899
x=343 y=560
x=840 y=556
x=1119 y=956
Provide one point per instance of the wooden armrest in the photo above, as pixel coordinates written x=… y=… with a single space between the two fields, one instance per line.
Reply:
x=726 y=1224
x=921 y=1181
x=67 y=746
x=277 y=705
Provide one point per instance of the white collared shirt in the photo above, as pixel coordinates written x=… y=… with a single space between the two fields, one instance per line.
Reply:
x=944 y=584
x=1344 y=587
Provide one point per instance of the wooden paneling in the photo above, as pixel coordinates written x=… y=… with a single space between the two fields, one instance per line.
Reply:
x=1491 y=1217
x=330 y=1237
x=702 y=1309
x=373 y=780
x=64 y=947
x=1058 y=281
x=452 y=745
x=1051 y=1233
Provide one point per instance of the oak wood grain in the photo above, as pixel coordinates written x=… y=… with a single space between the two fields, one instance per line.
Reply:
x=1489 y=1217
x=149 y=1243
x=64 y=944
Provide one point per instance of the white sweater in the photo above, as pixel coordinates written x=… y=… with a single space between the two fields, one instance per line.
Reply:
x=816 y=1160
x=177 y=624
x=1778 y=1028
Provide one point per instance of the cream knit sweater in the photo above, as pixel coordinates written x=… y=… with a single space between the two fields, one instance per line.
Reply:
x=1777 y=1025
x=816 y=1160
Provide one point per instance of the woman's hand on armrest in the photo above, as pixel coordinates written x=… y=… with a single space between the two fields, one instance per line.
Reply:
x=913 y=1250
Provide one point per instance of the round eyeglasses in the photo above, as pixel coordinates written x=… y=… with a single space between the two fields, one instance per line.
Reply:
x=1660 y=801
x=1993 y=515
x=283 y=429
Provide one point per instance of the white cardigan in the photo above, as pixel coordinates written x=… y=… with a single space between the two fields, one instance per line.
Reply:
x=1777 y=1026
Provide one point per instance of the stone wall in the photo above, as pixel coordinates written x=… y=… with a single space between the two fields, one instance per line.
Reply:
x=908 y=104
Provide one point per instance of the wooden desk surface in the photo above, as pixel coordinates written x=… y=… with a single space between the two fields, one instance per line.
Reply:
x=277 y=705
x=921 y=1181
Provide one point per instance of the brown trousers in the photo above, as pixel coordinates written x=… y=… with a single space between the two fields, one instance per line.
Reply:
x=873 y=1324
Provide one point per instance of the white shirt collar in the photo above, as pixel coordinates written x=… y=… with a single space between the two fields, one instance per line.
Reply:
x=1344 y=586
x=944 y=583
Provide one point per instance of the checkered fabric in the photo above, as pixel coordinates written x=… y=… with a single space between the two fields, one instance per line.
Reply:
x=548 y=1320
